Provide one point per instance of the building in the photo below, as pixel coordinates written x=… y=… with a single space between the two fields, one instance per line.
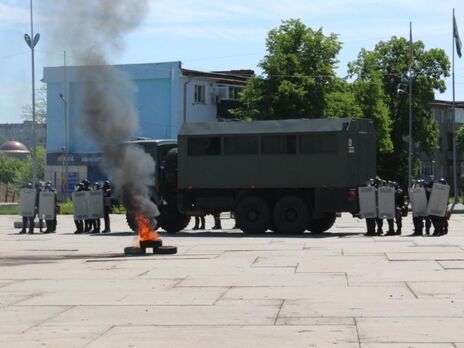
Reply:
x=167 y=96
x=22 y=132
x=440 y=164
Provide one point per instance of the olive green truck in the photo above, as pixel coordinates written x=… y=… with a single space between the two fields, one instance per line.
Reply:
x=286 y=176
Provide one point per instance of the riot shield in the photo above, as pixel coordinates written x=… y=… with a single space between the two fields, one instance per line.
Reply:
x=80 y=204
x=386 y=202
x=418 y=201
x=438 y=201
x=367 y=203
x=95 y=204
x=27 y=202
x=47 y=205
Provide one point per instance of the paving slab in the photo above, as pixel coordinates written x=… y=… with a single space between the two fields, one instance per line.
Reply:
x=225 y=288
x=230 y=337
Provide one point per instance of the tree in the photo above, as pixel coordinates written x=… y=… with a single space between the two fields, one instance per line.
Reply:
x=40 y=107
x=9 y=169
x=381 y=84
x=298 y=75
x=24 y=174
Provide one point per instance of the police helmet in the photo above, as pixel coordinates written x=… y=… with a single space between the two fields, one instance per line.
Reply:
x=96 y=185
x=442 y=181
x=29 y=185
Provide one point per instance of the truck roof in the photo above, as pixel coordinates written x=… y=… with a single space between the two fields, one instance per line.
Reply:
x=269 y=126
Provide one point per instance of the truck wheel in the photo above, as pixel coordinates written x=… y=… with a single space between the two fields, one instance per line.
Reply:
x=322 y=224
x=253 y=215
x=290 y=215
x=130 y=218
x=173 y=221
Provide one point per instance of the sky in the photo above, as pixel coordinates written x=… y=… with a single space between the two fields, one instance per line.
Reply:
x=222 y=35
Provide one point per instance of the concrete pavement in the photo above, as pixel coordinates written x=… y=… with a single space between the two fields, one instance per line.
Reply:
x=230 y=290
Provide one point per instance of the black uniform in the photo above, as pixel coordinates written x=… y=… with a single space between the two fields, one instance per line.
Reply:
x=95 y=222
x=370 y=222
x=440 y=223
x=418 y=221
x=79 y=223
x=399 y=203
x=107 y=205
x=51 y=224
x=199 y=223
x=25 y=218
x=217 y=221
x=88 y=223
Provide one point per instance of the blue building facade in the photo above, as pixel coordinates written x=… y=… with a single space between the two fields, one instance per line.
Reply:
x=166 y=96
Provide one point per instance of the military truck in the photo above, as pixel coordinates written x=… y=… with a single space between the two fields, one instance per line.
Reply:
x=287 y=176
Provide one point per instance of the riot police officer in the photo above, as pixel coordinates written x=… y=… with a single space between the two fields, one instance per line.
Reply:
x=418 y=221
x=428 y=219
x=25 y=218
x=107 y=205
x=370 y=222
x=79 y=223
x=440 y=223
x=51 y=224
x=399 y=204
x=95 y=223
x=379 y=221
x=88 y=223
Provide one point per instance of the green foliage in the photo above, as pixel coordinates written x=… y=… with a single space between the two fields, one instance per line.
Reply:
x=299 y=75
x=381 y=84
x=24 y=174
x=460 y=139
x=10 y=209
x=9 y=169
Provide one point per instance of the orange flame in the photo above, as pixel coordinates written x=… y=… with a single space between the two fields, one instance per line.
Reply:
x=146 y=232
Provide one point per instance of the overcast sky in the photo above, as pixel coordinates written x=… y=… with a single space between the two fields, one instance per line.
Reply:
x=220 y=35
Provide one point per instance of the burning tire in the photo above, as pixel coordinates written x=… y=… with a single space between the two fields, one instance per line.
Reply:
x=290 y=215
x=165 y=250
x=253 y=215
x=134 y=251
x=322 y=224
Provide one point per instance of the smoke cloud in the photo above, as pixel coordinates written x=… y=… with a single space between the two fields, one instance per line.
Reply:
x=94 y=30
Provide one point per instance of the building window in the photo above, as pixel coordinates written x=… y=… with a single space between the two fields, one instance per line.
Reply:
x=241 y=145
x=204 y=146
x=200 y=94
x=234 y=92
x=426 y=168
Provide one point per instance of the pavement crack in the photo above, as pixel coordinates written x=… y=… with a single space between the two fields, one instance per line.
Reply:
x=278 y=312
x=357 y=331
x=100 y=335
x=410 y=289
x=47 y=319
x=222 y=295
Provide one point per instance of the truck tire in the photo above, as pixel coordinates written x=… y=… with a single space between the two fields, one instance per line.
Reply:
x=130 y=218
x=253 y=215
x=290 y=215
x=322 y=224
x=173 y=221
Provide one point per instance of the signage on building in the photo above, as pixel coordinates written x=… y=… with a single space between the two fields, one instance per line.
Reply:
x=58 y=158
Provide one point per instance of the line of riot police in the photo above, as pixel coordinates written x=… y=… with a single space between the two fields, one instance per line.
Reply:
x=38 y=200
x=429 y=205
x=90 y=205
x=381 y=199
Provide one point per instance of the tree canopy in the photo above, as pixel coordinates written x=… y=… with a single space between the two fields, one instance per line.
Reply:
x=298 y=74
x=385 y=69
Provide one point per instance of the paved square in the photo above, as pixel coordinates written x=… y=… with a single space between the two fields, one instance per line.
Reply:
x=227 y=289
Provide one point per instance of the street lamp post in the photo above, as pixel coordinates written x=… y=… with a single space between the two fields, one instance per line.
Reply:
x=64 y=98
x=32 y=41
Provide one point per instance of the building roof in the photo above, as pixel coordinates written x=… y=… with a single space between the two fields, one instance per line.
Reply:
x=13 y=146
x=232 y=77
x=447 y=104
x=268 y=127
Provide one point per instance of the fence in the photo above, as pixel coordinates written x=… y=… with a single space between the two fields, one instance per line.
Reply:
x=7 y=194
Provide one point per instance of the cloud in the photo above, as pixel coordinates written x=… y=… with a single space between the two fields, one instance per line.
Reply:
x=11 y=15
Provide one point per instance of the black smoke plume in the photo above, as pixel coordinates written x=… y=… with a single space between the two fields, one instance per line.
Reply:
x=93 y=30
